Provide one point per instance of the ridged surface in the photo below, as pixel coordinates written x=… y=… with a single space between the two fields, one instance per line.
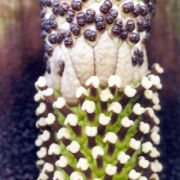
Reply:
x=75 y=144
x=106 y=56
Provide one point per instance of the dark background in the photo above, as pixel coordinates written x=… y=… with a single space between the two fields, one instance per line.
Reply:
x=21 y=63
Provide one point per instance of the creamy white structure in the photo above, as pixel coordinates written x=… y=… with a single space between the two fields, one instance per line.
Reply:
x=105 y=57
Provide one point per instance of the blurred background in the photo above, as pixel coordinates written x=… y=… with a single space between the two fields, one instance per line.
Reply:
x=21 y=63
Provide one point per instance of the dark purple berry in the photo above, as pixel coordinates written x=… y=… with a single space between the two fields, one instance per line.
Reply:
x=90 y=35
x=111 y=16
x=134 y=37
x=128 y=7
x=100 y=24
x=90 y=16
x=106 y=6
x=69 y=16
x=81 y=19
x=76 y=5
x=130 y=25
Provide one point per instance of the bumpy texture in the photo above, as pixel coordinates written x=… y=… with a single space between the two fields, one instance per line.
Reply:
x=94 y=37
x=97 y=99
x=111 y=134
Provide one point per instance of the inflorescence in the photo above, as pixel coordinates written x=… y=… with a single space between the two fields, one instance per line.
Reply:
x=112 y=133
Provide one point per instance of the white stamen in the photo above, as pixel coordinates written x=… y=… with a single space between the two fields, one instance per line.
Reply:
x=48 y=167
x=39 y=141
x=41 y=109
x=71 y=119
x=41 y=82
x=88 y=106
x=50 y=119
x=110 y=137
x=115 y=107
x=148 y=94
x=81 y=91
x=111 y=170
x=63 y=133
x=156 y=166
x=40 y=163
x=155 y=137
x=155 y=99
x=94 y=81
x=74 y=147
x=59 y=103
x=42 y=153
x=43 y=176
x=123 y=158
x=158 y=68
x=143 y=178
x=91 y=131
x=45 y=135
x=62 y=162
x=104 y=120
x=38 y=96
x=58 y=175
x=154 y=176
x=147 y=147
x=143 y=162
x=114 y=81
x=83 y=164
x=41 y=122
x=126 y=122
x=155 y=80
x=48 y=92
x=154 y=153
x=54 y=149
x=135 y=144
x=76 y=176
x=97 y=151
x=138 y=109
x=144 y=127
x=146 y=83
x=133 y=175
x=129 y=91
x=106 y=95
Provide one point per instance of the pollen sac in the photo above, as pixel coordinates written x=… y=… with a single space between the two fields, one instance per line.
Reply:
x=111 y=16
x=144 y=10
x=48 y=49
x=128 y=7
x=123 y=33
x=75 y=29
x=52 y=38
x=45 y=2
x=138 y=57
x=130 y=25
x=76 y=5
x=100 y=24
x=90 y=35
x=117 y=27
x=106 y=6
x=90 y=16
x=68 y=41
x=63 y=8
x=55 y=7
x=138 y=10
x=69 y=16
x=61 y=65
x=134 y=37
x=81 y=19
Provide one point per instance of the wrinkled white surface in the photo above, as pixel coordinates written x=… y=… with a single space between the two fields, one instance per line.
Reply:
x=107 y=56
x=82 y=59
